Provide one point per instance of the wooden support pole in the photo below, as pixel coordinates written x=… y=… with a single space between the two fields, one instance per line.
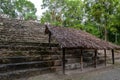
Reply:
x=49 y=40
x=81 y=60
x=95 y=59
x=105 y=55
x=63 y=60
x=113 y=59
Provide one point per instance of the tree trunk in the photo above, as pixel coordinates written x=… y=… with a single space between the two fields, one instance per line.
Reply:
x=105 y=33
x=116 y=38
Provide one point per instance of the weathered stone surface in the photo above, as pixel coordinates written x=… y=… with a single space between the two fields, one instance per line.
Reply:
x=21 y=31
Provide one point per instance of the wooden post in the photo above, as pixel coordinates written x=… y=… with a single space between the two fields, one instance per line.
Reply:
x=95 y=59
x=63 y=60
x=113 y=59
x=49 y=40
x=81 y=59
x=105 y=55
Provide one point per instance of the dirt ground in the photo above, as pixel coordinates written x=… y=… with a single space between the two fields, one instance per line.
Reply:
x=104 y=73
x=108 y=74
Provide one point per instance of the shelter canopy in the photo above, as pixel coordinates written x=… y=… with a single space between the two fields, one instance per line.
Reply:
x=72 y=38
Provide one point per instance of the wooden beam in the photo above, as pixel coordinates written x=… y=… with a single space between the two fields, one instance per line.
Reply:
x=113 y=59
x=105 y=55
x=95 y=59
x=49 y=40
x=81 y=59
x=63 y=60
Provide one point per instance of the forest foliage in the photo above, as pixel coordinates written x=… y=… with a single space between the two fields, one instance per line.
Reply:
x=22 y=9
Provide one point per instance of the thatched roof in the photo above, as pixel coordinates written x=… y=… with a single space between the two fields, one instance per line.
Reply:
x=12 y=30
x=72 y=38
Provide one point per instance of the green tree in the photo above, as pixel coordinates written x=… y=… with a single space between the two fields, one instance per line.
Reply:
x=73 y=14
x=6 y=7
x=53 y=15
x=101 y=13
x=18 y=9
x=66 y=13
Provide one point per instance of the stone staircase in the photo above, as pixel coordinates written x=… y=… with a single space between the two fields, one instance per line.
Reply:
x=18 y=58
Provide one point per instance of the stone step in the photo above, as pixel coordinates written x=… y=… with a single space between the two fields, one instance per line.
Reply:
x=22 y=48
x=33 y=53
x=28 y=44
x=27 y=72
x=24 y=65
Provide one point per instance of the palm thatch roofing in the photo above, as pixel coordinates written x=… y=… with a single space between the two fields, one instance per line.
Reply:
x=72 y=38
x=16 y=30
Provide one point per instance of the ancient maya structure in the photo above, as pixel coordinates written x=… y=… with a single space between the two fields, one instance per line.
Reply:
x=28 y=35
x=69 y=38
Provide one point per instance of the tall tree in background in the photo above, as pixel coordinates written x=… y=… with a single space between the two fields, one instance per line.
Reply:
x=73 y=14
x=54 y=11
x=6 y=7
x=101 y=13
x=18 y=9
x=63 y=12
x=115 y=23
